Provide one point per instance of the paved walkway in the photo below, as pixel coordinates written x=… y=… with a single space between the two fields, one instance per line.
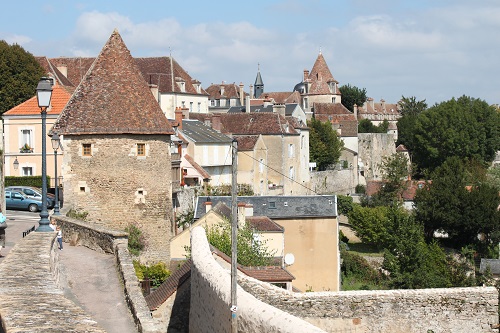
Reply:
x=90 y=279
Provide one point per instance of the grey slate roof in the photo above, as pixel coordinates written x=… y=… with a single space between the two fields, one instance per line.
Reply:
x=201 y=133
x=285 y=206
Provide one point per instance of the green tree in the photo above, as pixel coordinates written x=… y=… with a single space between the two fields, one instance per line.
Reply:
x=366 y=126
x=251 y=251
x=410 y=109
x=352 y=95
x=325 y=146
x=370 y=224
x=345 y=204
x=395 y=170
x=465 y=127
x=19 y=75
x=493 y=176
x=459 y=207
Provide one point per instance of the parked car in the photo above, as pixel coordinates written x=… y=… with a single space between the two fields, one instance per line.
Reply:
x=35 y=193
x=17 y=200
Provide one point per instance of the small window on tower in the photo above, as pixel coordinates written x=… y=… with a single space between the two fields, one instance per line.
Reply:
x=87 y=149
x=141 y=149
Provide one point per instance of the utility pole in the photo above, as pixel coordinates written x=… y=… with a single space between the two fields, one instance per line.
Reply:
x=234 y=239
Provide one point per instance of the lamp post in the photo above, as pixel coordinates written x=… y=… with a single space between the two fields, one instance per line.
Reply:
x=55 y=145
x=16 y=164
x=43 y=95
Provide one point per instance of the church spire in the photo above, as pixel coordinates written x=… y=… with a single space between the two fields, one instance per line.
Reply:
x=259 y=84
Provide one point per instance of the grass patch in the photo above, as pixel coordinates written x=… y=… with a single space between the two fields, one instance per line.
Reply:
x=365 y=250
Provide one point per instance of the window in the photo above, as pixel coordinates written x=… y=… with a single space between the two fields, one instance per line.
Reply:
x=190 y=106
x=290 y=150
x=272 y=204
x=199 y=106
x=306 y=103
x=141 y=149
x=183 y=104
x=261 y=165
x=291 y=173
x=26 y=137
x=27 y=171
x=87 y=149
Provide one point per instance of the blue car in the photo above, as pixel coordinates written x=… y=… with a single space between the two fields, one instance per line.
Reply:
x=17 y=200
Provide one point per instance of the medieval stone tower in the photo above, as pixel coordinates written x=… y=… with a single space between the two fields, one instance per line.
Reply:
x=117 y=164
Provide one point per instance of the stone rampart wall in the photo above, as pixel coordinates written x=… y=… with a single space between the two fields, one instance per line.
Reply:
x=333 y=181
x=457 y=310
x=210 y=299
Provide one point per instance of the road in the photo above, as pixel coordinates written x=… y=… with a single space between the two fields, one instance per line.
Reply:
x=88 y=278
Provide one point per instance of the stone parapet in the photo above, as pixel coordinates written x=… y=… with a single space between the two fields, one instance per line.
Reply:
x=457 y=310
x=30 y=299
x=210 y=299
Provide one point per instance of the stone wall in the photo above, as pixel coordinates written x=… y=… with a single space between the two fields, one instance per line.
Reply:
x=210 y=299
x=333 y=181
x=457 y=310
x=372 y=148
x=116 y=187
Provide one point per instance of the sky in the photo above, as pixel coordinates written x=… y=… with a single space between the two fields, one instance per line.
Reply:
x=433 y=50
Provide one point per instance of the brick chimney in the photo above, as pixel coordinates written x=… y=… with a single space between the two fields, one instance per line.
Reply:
x=178 y=117
x=208 y=205
x=306 y=74
x=154 y=90
x=216 y=123
x=355 y=108
x=241 y=213
x=242 y=94
x=382 y=101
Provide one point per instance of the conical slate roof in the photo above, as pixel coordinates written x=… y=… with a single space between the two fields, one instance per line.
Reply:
x=112 y=98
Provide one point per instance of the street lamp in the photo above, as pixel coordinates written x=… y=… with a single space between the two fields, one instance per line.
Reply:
x=16 y=164
x=56 y=142
x=43 y=95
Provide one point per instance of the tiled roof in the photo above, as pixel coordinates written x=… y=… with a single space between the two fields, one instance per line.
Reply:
x=222 y=210
x=169 y=286
x=246 y=142
x=60 y=96
x=201 y=133
x=54 y=72
x=197 y=167
x=77 y=67
x=401 y=148
x=158 y=71
x=284 y=97
x=337 y=113
x=261 y=273
x=320 y=76
x=254 y=123
x=383 y=108
x=224 y=90
x=112 y=98
x=296 y=123
x=276 y=207
x=264 y=223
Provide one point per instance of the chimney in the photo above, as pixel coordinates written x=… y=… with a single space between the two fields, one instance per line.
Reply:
x=251 y=91
x=279 y=108
x=249 y=210
x=372 y=104
x=63 y=68
x=306 y=74
x=242 y=94
x=382 y=101
x=154 y=90
x=208 y=205
x=241 y=214
x=355 y=109
x=178 y=117
x=222 y=89
x=216 y=123
x=247 y=104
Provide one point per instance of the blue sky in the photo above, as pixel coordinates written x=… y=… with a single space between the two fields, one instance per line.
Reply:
x=433 y=50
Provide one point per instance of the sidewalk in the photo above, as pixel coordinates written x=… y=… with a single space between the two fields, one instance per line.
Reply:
x=90 y=279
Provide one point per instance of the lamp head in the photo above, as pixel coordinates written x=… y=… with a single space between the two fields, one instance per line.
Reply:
x=44 y=92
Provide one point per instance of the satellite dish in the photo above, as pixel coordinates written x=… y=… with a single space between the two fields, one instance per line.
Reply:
x=289 y=259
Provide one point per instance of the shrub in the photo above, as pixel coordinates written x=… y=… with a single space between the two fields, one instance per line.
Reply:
x=136 y=240
x=360 y=189
x=77 y=214
x=157 y=273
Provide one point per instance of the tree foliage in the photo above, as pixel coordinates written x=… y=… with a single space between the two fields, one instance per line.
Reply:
x=352 y=95
x=325 y=146
x=19 y=75
x=395 y=170
x=366 y=126
x=251 y=251
x=461 y=208
x=410 y=109
x=465 y=127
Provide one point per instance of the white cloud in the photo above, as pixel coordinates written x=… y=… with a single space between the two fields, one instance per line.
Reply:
x=16 y=39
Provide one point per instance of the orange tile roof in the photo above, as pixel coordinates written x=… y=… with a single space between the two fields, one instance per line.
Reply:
x=60 y=96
